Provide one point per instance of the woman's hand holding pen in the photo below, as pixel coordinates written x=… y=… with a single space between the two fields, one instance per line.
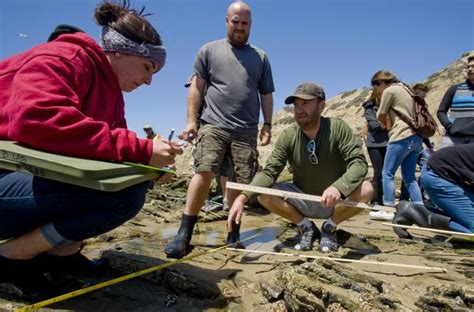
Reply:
x=164 y=152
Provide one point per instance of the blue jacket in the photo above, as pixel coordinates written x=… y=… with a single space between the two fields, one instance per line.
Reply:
x=377 y=136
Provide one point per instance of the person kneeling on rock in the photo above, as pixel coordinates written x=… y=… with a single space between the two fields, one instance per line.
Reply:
x=449 y=181
x=65 y=97
x=326 y=159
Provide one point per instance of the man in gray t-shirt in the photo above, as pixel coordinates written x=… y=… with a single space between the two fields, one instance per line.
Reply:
x=239 y=81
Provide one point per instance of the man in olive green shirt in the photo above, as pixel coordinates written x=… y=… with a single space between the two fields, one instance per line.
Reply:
x=326 y=159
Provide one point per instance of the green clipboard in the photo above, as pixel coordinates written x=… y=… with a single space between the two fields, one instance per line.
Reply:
x=73 y=166
x=95 y=174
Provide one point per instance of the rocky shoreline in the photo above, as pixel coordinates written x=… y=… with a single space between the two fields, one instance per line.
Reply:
x=235 y=281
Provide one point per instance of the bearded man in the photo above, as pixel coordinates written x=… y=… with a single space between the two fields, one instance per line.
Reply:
x=239 y=83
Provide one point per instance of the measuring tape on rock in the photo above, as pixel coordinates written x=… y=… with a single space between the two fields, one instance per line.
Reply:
x=117 y=280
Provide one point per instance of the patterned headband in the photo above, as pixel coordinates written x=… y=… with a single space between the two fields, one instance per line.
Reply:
x=113 y=41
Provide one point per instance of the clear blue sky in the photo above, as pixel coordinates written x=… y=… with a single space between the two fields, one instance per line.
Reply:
x=336 y=43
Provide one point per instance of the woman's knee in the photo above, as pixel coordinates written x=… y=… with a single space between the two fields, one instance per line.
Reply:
x=387 y=175
x=131 y=200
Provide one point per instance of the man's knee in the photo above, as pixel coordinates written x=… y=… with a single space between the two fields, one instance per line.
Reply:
x=363 y=193
x=367 y=191
x=264 y=200
x=203 y=177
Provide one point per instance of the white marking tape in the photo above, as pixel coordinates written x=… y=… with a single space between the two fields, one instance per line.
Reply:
x=469 y=236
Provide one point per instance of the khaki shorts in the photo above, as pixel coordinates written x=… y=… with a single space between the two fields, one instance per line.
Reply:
x=214 y=145
x=306 y=208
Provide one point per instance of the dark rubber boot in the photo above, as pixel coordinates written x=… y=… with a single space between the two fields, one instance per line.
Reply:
x=180 y=246
x=233 y=237
x=76 y=263
x=409 y=214
x=27 y=282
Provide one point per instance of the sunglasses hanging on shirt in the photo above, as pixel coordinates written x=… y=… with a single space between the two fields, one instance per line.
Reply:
x=311 y=147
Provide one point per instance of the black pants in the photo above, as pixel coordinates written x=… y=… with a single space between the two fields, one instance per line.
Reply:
x=377 y=155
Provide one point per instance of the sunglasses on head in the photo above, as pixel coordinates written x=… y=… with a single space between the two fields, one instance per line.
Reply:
x=311 y=147
x=376 y=83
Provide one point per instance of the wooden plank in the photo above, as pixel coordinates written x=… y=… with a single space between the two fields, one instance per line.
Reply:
x=72 y=166
x=280 y=193
x=111 y=184
x=469 y=236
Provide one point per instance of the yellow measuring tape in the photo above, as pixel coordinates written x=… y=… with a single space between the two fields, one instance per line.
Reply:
x=117 y=280
x=302 y=196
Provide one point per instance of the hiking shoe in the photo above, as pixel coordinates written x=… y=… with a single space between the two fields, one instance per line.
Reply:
x=308 y=236
x=225 y=205
x=211 y=206
x=381 y=215
x=179 y=247
x=328 y=241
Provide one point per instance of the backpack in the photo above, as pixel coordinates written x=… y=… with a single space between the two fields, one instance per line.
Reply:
x=423 y=123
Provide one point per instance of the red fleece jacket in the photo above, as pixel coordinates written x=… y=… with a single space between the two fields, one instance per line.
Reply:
x=63 y=97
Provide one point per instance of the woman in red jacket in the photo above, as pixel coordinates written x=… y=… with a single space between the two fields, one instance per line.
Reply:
x=65 y=97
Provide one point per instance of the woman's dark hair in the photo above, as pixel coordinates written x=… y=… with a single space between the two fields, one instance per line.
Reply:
x=129 y=22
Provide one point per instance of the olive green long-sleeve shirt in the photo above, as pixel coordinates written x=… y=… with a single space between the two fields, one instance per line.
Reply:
x=342 y=163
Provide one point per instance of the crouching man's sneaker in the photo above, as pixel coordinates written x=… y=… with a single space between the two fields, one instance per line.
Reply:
x=328 y=238
x=211 y=206
x=308 y=236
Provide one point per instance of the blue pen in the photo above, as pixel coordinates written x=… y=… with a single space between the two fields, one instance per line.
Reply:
x=171 y=135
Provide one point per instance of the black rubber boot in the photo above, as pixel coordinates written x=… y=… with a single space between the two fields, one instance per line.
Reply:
x=233 y=237
x=180 y=246
x=76 y=263
x=409 y=214
x=28 y=283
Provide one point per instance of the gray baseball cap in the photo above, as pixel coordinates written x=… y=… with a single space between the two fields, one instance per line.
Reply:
x=306 y=91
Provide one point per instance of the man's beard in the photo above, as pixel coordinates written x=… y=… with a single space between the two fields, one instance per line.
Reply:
x=309 y=121
x=239 y=39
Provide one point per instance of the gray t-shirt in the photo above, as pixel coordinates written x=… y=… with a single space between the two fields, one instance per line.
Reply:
x=235 y=76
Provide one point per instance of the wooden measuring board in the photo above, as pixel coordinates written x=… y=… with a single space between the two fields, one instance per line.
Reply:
x=280 y=193
x=71 y=166
x=452 y=234
x=111 y=184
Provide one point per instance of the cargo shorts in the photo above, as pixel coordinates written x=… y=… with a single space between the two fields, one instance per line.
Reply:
x=306 y=208
x=226 y=170
x=215 y=146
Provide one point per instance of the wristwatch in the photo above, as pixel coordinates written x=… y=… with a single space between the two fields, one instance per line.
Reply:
x=268 y=124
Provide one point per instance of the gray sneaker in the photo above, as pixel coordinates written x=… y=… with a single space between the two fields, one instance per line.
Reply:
x=309 y=235
x=328 y=238
x=210 y=206
x=225 y=205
